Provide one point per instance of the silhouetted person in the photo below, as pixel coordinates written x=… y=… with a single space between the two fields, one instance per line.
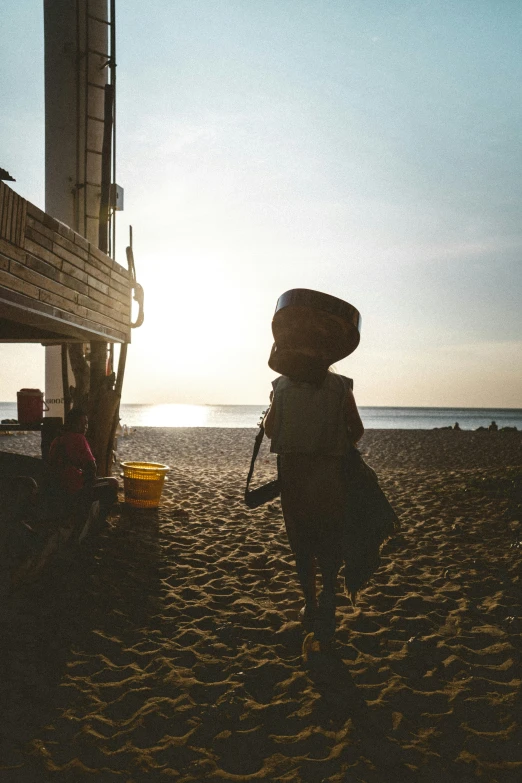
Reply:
x=312 y=421
x=493 y=427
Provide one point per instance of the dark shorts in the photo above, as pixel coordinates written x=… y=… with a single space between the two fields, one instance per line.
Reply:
x=61 y=502
x=313 y=498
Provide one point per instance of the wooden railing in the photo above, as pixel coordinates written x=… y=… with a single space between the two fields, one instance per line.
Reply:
x=52 y=280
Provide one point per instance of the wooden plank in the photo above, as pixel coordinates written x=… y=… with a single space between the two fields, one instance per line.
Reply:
x=122 y=277
x=11 y=228
x=44 y=282
x=5 y=208
x=23 y=221
x=123 y=299
x=111 y=323
x=120 y=270
x=116 y=267
x=67 y=324
x=109 y=302
x=3 y=191
x=120 y=292
x=5 y=213
x=8 y=234
x=40 y=239
x=51 y=222
x=35 y=212
x=15 y=284
x=37 y=226
x=5 y=200
x=16 y=219
x=99 y=286
x=102 y=310
x=72 y=258
x=61 y=273
x=104 y=262
x=65 y=231
x=108 y=328
x=112 y=333
x=99 y=254
x=73 y=271
x=64 y=304
x=71 y=282
x=41 y=252
x=101 y=266
x=81 y=242
x=11 y=251
x=103 y=277
x=72 y=247
x=47 y=264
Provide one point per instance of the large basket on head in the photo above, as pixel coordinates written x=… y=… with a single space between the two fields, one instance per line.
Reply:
x=143 y=483
x=309 y=326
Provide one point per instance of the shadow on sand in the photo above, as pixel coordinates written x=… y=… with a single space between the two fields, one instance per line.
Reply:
x=103 y=590
x=341 y=701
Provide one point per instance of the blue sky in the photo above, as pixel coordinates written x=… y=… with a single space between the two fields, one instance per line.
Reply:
x=367 y=149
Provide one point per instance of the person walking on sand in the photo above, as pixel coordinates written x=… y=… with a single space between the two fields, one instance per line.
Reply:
x=312 y=422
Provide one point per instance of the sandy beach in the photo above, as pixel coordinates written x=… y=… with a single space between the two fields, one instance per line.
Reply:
x=170 y=648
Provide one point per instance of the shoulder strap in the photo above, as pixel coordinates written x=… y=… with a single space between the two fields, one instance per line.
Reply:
x=257 y=446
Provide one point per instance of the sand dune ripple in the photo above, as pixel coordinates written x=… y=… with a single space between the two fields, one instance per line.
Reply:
x=171 y=649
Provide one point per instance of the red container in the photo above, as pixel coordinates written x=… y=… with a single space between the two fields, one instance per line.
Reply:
x=30 y=406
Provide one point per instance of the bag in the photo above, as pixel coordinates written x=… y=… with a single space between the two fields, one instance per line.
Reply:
x=369 y=521
x=257 y=497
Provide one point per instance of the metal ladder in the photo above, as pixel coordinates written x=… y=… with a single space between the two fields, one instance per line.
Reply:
x=99 y=117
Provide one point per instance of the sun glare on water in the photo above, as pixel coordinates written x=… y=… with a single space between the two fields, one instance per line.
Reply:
x=174 y=415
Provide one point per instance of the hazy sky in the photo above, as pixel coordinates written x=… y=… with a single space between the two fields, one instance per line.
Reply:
x=371 y=150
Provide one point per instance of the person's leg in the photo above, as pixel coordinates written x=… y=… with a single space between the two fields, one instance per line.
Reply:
x=296 y=473
x=105 y=490
x=94 y=503
x=325 y=621
x=306 y=568
x=306 y=573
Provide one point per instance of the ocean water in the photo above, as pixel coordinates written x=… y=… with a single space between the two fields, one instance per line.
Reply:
x=174 y=415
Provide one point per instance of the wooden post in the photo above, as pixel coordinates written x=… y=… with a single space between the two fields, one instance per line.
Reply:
x=103 y=403
x=80 y=368
x=117 y=390
x=65 y=381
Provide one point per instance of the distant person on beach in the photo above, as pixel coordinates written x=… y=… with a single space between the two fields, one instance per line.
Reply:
x=74 y=468
x=312 y=420
x=493 y=427
x=456 y=426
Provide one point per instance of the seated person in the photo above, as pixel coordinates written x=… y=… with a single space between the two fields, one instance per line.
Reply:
x=73 y=466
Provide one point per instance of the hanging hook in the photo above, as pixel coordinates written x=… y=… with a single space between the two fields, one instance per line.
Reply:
x=138 y=292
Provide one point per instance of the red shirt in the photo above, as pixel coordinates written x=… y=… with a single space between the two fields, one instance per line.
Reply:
x=69 y=455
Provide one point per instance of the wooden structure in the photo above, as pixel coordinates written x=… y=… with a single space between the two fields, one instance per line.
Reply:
x=55 y=286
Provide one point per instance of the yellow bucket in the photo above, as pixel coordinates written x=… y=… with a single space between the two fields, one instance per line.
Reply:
x=143 y=483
